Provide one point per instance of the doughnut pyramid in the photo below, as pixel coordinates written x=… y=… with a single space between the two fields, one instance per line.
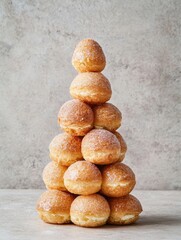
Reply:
x=87 y=183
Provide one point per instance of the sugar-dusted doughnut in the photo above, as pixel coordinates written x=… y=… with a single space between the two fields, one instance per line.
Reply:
x=54 y=206
x=65 y=149
x=88 y=56
x=91 y=87
x=124 y=210
x=53 y=176
x=117 y=180
x=107 y=116
x=76 y=117
x=83 y=178
x=101 y=147
x=90 y=211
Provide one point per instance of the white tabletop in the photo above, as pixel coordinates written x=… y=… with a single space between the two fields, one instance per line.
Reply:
x=161 y=219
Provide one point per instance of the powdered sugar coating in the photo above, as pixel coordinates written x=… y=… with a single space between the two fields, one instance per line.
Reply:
x=126 y=204
x=114 y=173
x=117 y=180
x=88 y=57
x=53 y=176
x=91 y=87
x=107 y=116
x=100 y=139
x=93 y=204
x=91 y=80
x=83 y=171
x=55 y=201
x=76 y=113
x=65 y=142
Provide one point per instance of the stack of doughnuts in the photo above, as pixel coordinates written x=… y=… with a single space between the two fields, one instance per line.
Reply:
x=87 y=183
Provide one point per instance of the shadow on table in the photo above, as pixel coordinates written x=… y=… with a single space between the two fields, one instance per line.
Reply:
x=152 y=220
x=159 y=220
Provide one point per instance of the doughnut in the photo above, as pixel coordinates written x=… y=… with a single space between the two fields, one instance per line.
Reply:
x=89 y=211
x=123 y=145
x=53 y=176
x=88 y=57
x=54 y=206
x=76 y=117
x=65 y=149
x=91 y=87
x=101 y=147
x=117 y=180
x=124 y=210
x=83 y=178
x=107 y=116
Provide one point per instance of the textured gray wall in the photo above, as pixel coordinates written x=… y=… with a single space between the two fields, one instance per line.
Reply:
x=142 y=43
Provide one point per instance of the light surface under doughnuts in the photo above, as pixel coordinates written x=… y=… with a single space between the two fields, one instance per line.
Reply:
x=54 y=206
x=100 y=147
x=65 y=149
x=90 y=211
x=83 y=177
x=91 y=87
x=76 y=117
x=123 y=145
x=117 y=180
x=107 y=116
x=53 y=176
x=88 y=56
x=124 y=210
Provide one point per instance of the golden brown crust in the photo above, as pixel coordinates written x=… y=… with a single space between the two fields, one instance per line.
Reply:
x=100 y=146
x=91 y=204
x=54 y=201
x=53 y=176
x=65 y=149
x=88 y=56
x=76 y=117
x=91 y=87
x=83 y=171
x=90 y=211
x=124 y=210
x=117 y=180
x=107 y=116
x=123 y=145
x=83 y=177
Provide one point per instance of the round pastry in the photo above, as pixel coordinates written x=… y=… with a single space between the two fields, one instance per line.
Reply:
x=117 y=180
x=53 y=176
x=91 y=87
x=65 y=149
x=101 y=147
x=54 y=206
x=124 y=210
x=90 y=211
x=123 y=145
x=107 y=116
x=88 y=57
x=83 y=178
x=76 y=117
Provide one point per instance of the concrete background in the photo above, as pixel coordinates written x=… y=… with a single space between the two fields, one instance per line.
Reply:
x=142 y=43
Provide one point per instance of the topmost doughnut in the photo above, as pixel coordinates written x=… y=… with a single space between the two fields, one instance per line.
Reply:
x=88 y=56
